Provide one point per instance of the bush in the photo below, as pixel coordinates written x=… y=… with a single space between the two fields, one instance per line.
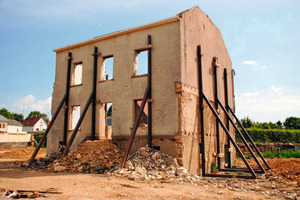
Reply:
x=38 y=136
x=282 y=154
x=273 y=135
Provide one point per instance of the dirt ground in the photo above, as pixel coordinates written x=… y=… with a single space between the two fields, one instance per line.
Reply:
x=95 y=186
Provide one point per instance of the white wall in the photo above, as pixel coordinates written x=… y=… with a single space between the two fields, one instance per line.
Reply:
x=14 y=129
x=27 y=129
x=3 y=130
x=14 y=138
x=41 y=125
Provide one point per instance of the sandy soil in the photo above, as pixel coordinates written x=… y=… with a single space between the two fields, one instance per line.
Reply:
x=94 y=186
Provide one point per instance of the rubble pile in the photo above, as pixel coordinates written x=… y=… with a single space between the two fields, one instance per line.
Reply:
x=150 y=164
x=89 y=157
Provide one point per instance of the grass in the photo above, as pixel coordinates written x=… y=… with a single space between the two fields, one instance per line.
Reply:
x=214 y=167
x=282 y=154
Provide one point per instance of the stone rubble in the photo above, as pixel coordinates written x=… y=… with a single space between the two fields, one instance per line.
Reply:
x=151 y=165
x=89 y=157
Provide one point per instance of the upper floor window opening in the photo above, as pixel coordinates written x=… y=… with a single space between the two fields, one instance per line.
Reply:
x=77 y=74
x=141 y=63
x=107 y=68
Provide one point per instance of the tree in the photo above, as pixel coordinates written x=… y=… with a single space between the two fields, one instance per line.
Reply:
x=279 y=123
x=292 y=123
x=9 y=115
x=18 y=117
x=109 y=111
x=38 y=114
x=247 y=122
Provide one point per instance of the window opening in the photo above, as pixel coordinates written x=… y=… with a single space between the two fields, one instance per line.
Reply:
x=108 y=114
x=77 y=75
x=108 y=67
x=144 y=118
x=75 y=115
x=141 y=63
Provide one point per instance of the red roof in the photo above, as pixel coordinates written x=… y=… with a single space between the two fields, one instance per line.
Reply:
x=30 y=121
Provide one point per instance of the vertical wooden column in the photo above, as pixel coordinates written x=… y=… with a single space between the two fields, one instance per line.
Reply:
x=201 y=110
x=94 y=92
x=215 y=61
x=150 y=92
x=227 y=118
x=69 y=58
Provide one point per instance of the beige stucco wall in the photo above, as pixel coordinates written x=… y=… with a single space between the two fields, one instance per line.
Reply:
x=197 y=29
x=124 y=88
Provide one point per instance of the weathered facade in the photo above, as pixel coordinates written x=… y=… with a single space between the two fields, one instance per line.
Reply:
x=175 y=108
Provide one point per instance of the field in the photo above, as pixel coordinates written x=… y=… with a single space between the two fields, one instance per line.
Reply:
x=282 y=182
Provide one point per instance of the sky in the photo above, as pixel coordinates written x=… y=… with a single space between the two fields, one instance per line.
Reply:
x=262 y=38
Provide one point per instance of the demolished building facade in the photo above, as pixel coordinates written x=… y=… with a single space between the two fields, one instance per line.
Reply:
x=175 y=103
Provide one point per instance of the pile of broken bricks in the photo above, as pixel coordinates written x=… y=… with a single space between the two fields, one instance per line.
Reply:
x=101 y=156
x=149 y=164
x=89 y=157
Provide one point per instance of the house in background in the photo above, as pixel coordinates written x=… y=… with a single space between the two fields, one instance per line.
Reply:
x=34 y=124
x=3 y=124
x=14 y=126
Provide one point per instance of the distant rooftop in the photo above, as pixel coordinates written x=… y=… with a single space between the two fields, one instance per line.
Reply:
x=3 y=119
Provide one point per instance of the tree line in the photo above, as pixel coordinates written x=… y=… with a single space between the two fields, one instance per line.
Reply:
x=292 y=123
x=19 y=117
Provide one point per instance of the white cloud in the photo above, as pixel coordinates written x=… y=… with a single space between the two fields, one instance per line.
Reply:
x=267 y=105
x=250 y=94
x=275 y=91
x=43 y=106
x=264 y=67
x=30 y=103
x=24 y=101
x=249 y=62
x=256 y=66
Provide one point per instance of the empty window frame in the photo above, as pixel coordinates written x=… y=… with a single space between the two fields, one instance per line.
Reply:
x=141 y=63
x=144 y=118
x=107 y=68
x=75 y=115
x=108 y=114
x=77 y=74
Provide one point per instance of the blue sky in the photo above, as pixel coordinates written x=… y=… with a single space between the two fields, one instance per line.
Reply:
x=262 y=37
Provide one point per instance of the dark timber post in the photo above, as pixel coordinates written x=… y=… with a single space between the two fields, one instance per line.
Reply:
x=217 y=107
x=150 y=94
x=135 y=126
x=230 y=137
x=78 y=125
x=201 y=111
x=67 y=98
x=94 y=92
x=227 y=119
x=47 y=131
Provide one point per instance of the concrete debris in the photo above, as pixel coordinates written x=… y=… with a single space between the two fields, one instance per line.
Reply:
x=150 y=164
x=21 y=195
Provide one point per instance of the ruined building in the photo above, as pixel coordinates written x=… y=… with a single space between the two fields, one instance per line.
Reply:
x=174 y=88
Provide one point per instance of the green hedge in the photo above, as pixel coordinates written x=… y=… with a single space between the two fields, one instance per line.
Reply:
x=273 y=135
